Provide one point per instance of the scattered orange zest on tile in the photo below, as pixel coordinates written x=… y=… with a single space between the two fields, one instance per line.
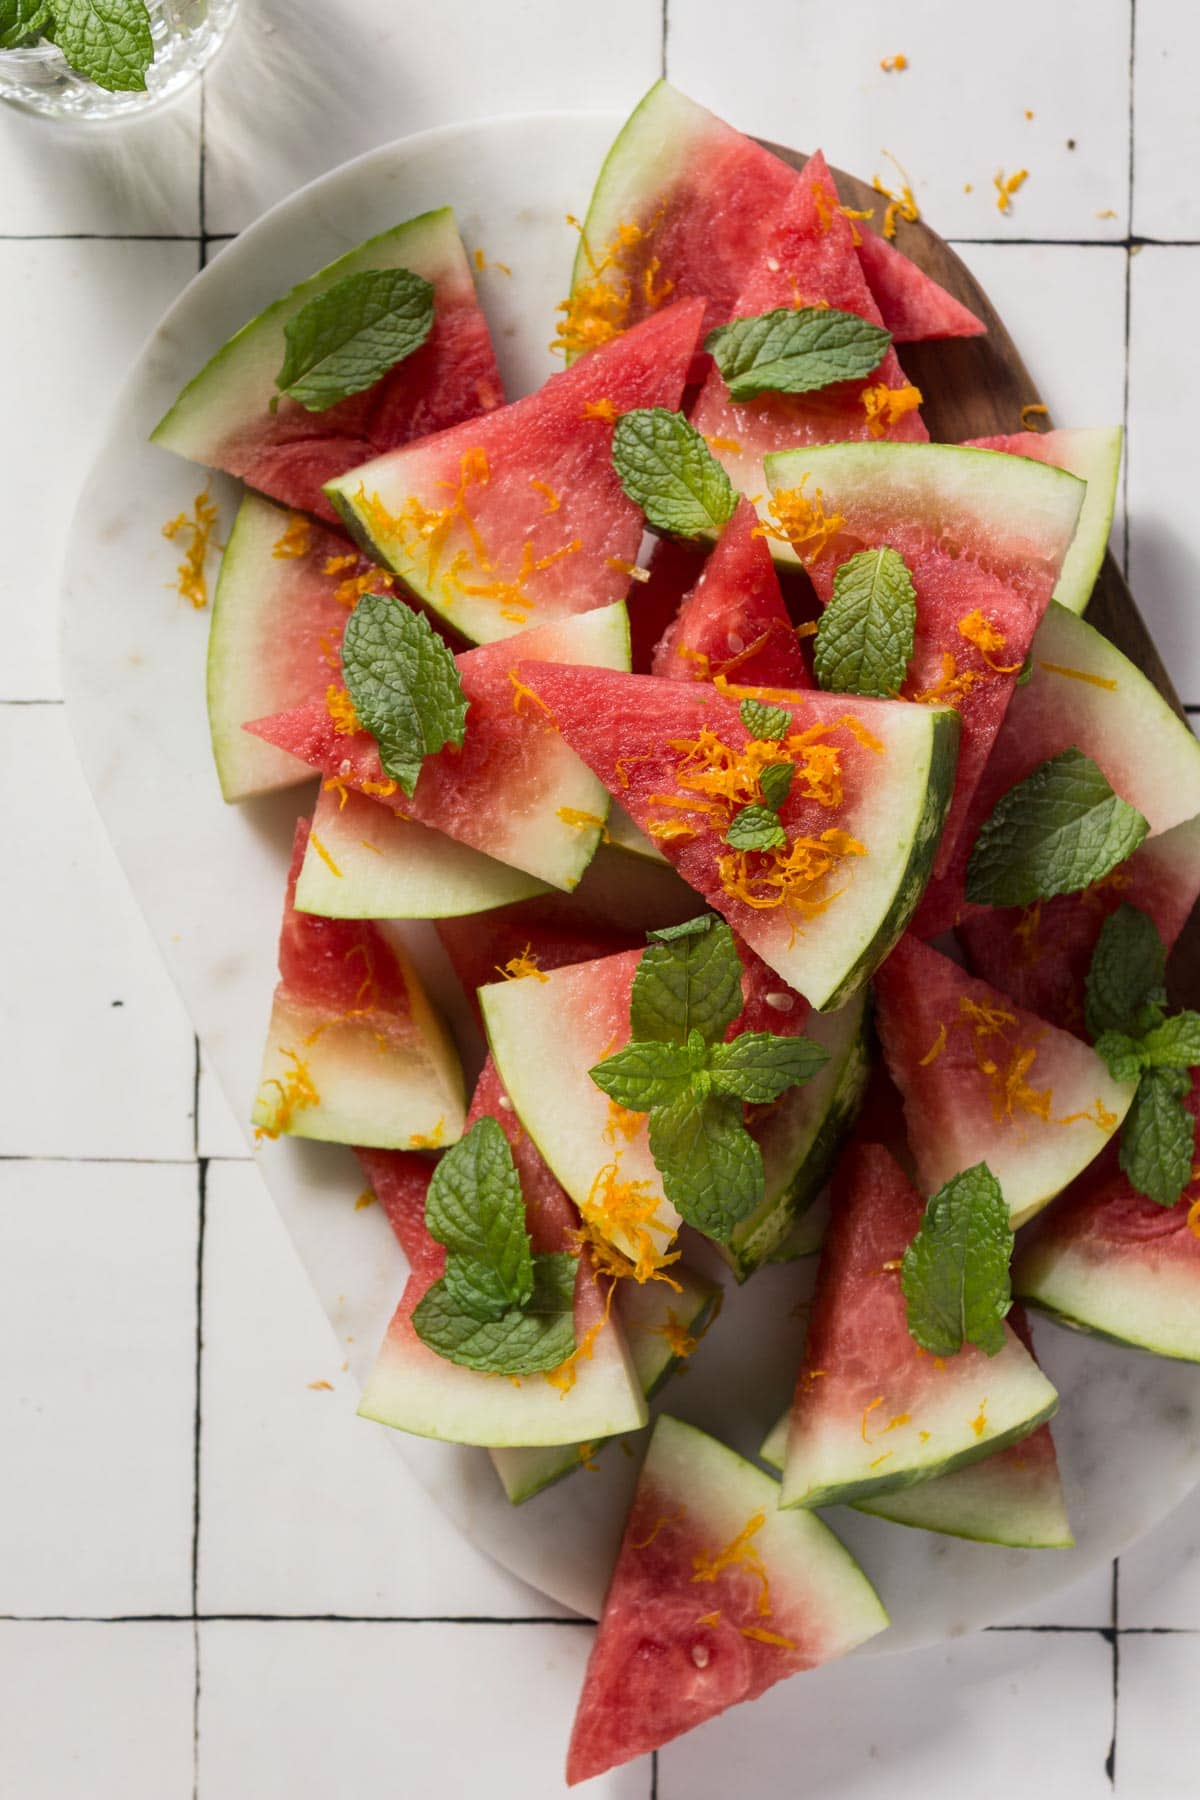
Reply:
x=365 y=1199
x=893 y=64
x=321 y=1386
x=1006 y=186
x=1033 y=409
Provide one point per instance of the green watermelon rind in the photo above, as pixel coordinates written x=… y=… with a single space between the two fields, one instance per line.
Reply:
x=624 y=835
x=808 y=1233
x=237 y=384
x=1049 y=1279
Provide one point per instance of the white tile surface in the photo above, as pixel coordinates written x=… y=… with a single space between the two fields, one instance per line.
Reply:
x=307 y=1711
x=955 y=116
x=362 y=1539
x=96 y=1058
x=1160 y=1576
x=1156 y=1736
x=218 y=1132
x=139 y=177
x=402 y=68
x=73 y=315
x=97 y=1358
x=89 y=1712
x=1165 y=201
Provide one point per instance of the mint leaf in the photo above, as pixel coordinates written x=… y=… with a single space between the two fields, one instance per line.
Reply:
x=647 y=1073
x=1122 y=1055
x=776 y=783
x=109 y=41
x=765 y=723
x=666 y=468
x=476 y=1208
x=475 y=1287
x=711 y=1168
x=404 y=684
x=1025 y=672
x=865 y=636
x=21 y=21
x=795 y=350
x=521 y=1341
x=758 y=1066
x=955 y=1275
x=1158 y=1137
x=691 y=982
x=755 y=828
x=1126 y=981
x=666 y=934
x=346 y=339
x=1175 y=1044
x=1058 y=831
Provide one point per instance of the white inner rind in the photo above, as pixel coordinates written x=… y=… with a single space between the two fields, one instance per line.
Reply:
x=1154 y=1307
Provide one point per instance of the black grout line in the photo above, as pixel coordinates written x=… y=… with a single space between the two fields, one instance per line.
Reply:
x=201 y=1222
x=1110 y=1761
x=1127 y=559
x=666 y=28
x=153 y=1162
x=99 y=237
x=201 y=1162
x=654 y=1775
x=47 y=702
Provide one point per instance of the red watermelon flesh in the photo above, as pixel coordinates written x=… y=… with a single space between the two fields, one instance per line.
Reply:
x=549 y=930
x=674 y=568
x=734 y=622
x=1040 y=954
x=985 y=1081
x=335 y=965
x=912 y=304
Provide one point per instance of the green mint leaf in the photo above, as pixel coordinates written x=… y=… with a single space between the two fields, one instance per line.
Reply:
x=666 y=934
x=476 y=1208
x=109 y=41
x=1126 y=980
x=755 y=828
x=765 y=723
x=404 y=684
x=690 y=982
x=346 y=339
x=1123 y=1055
x=21 y=21
x=645 y=1074
x=776 y=783
x=711 y=1168
x=864 y=639
x=1025 y=673
x=475 y=1287
x=1175 y=1044
x=668 y=470
x=1056 y=832
x=954 y=1275
x=1158 y=1137
x=795 y=350
x=521 y=1341
x=758 y=1066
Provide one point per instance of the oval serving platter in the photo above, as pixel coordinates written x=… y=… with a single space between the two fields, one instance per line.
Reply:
x=209 y=879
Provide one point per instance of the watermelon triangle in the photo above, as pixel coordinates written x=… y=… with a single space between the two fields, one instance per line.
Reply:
x=714 y=1598
x=674 y=568
x=734 y=622
x=1106 y=1259
x=547 y=932
x=911 y=303
x=985 y=1081
x=519 y=518
x=873 y=1412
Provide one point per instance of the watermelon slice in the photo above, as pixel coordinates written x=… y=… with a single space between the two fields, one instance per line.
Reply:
x=873 y=1412
x=674 y=567
x=985 y=1081
x=734 y=622
x=863 y=818
x=984 y=537
x=413 y=1389
x=715 y=1597
x=663 y=1323
x=276 y=617
x=911 y=303
x=1094 y=454
x=232 y=417
x=529 y=941
x=514 y=790
x=624 y=834
x=520 y=518
x=1040 y=954
x=355 y=1053
x=1106 y=1260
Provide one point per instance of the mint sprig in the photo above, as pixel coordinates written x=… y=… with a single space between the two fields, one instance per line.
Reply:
x=864 y=640
x=404 y=683
x=346 y=339
x=1158 y=1137
x=795 y=350
x=678 y=1069
x=1125 y=989
x=666 y=468
x=1056 y=832
x=498 y=1308
x=22 y=21
x=955 y=1273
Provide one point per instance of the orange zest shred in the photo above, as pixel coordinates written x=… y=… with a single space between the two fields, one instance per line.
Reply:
x=628 y=1210
x=429 y=1140
x=482 y=264
x=678 y=1338
x=899 y=206
x=1006 y=186
x=988 y=639
x=622 y=1122
x=521 y=692
x=739 y=1551
x=321 y=1387
x=953 y=683
x=324 y=855
x=366 y=844
x=867 y=1411
x=603 y=408
x=711 y=1618
x=1193 y=1217
x=1032 y=410
x=1100 y=681
x=760 y=1636
x=382 y=790
x=580 y=820
x=880 y=1460
x=728 y=444
x=196 y=535
x=521 y=966
x=935 y=1049
x=340 y=708
x=553 y=500
x=801 y=521
x=629 y=569
x=600 y=306
x=296 y=538
x=979 y=1423
x=883 y=405
x=667 y=1519
x=587 y=1457
x=365 y=1199
x=296 y=1092
x=893 y=64
x=335 y=785
x=1007 y=1068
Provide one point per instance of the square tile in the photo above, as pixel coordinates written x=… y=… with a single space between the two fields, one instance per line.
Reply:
x=1166 y=124
x=96 y=1058
x=96 y=1712
x=398 y=74
x=1164 y=564
x=1085 y=1605
x=1160 y=1575
x=304 y=1507
x=97 y=1387
x=956 y=116
x=973 y=1718
x=218 y=1132
x=135 y=178
x=80 y=312
x=1156 y=1734
x=293 y=1711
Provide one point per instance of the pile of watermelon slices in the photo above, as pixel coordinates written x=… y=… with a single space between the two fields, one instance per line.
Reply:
x=590 y=802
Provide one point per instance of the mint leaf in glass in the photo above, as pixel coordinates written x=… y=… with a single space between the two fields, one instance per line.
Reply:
x=765 y=723
x=711 y=1168
x=109 y=41
x=864 y=638
x=955 y=1273
x=1158 y=1137
x=757 y=1067
x=795 y=350
x=522 y=1340
x=21 y=22
x=346 y=339
x=404 y=683
x=666 y=468
x=1058 y=831
x=476 y=1208
x=1126 y=980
